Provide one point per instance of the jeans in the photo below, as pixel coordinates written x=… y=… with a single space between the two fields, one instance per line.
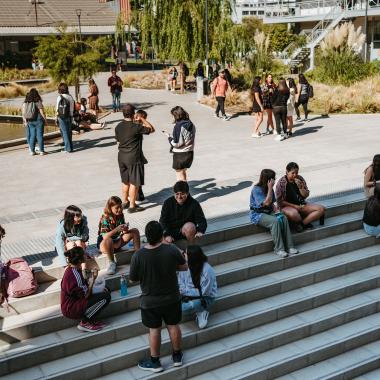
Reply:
x=371 y=230
x=220 y=106
x=36 y=129
x=280 y=115
x=116 y=100
x=195 y=306
x=302 y=100
x=282 y=237
x=67 y=134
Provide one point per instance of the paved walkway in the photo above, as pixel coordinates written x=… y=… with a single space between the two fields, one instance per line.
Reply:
x=332 y=153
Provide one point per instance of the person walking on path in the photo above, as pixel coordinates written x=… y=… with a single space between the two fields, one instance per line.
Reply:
x=280 y=109
x=182 y=142
x=268 y=90
x=131 y=158
x=93 y=96
x=302 y=97
x=264 y=213
x=219 y=87
x=65 y=113
x=182 y=216
x=257 y=106
x=155 y=266
x=34 y=118
x=116 y=87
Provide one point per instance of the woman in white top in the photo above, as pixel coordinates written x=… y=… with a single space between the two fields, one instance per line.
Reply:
x=197 y=285
x=291 y=105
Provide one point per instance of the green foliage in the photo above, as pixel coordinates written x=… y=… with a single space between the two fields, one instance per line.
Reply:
x=120 y=30
x=67 y=59
x=17 y=74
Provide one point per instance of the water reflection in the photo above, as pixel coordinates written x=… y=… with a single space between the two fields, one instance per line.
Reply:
x=11 y=131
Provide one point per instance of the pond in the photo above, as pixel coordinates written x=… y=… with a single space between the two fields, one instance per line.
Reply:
x=11 y=131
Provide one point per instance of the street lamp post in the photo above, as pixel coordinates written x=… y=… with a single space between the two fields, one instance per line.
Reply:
x=366 y=31
x=77 y=86
x=79 y=13
x=206 y=17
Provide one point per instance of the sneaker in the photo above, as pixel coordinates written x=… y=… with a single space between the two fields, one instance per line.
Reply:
x=308 y=226
x=298 y=119
x=202 y=319
x=322 y=220
x=177 y=359
x=256 y=135
x=279 y=138
x=88 y=327
x=149 y=365
x=125 y=205
x=41 y=153
x=32 y=153
x=293 y=251
x=269 y=131
x=132 y=210
x=100 y=324
x=111 y=268
x=282 y=253
x=289 y=134
x=225 y=118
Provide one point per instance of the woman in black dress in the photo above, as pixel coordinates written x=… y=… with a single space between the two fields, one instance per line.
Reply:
x=257 y=107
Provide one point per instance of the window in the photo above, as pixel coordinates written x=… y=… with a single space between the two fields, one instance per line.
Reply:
x=245 y=13
x=260 y=12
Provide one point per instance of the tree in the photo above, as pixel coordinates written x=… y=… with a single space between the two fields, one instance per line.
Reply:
x=68 y=59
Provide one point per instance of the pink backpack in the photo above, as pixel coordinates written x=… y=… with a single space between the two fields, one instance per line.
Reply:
x=20 y=278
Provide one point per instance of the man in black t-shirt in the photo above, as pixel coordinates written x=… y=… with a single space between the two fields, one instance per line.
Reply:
x=156 y=266
x=131 y=158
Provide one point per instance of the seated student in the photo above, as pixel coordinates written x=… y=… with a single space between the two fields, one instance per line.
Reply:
x=114 y=232
x=88 y=120
x=263 y=213
x=182 y=216
x=77 y=300
x=291 y=194
x=371 y=217
x=72 y=231
x=197 y=285
x=372 y=176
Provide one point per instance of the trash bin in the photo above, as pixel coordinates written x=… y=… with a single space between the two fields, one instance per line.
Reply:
x=202 y=87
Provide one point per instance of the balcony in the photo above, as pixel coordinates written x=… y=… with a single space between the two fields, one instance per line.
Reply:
x=284 y=11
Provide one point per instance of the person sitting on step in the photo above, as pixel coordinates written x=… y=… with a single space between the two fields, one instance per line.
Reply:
x=291 y=195
x=264 y=213
x=197 y=285
x=77 y=298
x=372 y=176
x=114 y=232
x=371 y=217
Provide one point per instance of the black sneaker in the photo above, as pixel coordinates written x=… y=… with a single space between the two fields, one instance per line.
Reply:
x=125 y=205
x=132 y=210
x=308 y=226
x=140 y=195
x=322 y=220
x=149 y=365
x=177 y=358
x=298 y=227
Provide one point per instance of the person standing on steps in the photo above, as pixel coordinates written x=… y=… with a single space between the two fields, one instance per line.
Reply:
x=116 y=87
x=131 y=158
x=155 y=266
x=257 y=106
x=302 y=97
x=219 y=87
x=371 y=217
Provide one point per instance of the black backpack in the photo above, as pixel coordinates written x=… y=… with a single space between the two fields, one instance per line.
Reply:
x=63 y=108
x=310 y=91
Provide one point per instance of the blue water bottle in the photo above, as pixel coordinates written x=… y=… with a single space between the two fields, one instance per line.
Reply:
x=123 y=286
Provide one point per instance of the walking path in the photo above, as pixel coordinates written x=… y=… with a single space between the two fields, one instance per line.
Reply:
x=332 y=153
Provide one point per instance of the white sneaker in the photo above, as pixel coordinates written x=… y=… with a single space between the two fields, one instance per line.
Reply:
x=293 y=251
x=111 y=268
x=202 y=319
x=275 y=132
x=226 y=118
x=282 y=253
x=279 y=138
x=256 y=135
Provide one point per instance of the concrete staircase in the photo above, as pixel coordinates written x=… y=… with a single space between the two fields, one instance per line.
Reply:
x=312 y=315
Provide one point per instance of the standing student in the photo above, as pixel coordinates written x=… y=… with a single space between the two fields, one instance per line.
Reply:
x=34 y=118
x=116 y=87
x=257 y=107
x=65 y=112
x=155 y=266
x=291 y=105
x=77 y=299
x=114 y=232
x=199 y=71
x=219 y=87
x=268 y=90
x=302 y=97
x=280 y=108
x=372 y=176
x=93 y=96
x=172 y=78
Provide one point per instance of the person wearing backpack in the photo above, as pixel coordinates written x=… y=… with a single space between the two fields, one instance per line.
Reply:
x=64 y=112
x=303 y=95
x=34 y=120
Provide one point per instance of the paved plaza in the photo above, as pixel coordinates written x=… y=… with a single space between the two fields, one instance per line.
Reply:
x=332 y=154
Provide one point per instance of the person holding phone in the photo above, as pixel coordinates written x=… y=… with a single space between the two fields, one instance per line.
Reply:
x=263 y=212
x=114 y=232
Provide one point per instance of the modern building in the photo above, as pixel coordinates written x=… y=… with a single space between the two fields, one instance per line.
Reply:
x=316 y=18
x=248 y=8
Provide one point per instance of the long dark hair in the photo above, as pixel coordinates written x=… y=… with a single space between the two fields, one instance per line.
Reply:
x=196 y=259
x=255 y=84
x=179 y=113
x=265 y=176
x=376 y=166
x=33 y=96
x=75 y=255
x=292 y=84
x=112 y=201
x=302 y=79
x=283 y=87
x=68 y=218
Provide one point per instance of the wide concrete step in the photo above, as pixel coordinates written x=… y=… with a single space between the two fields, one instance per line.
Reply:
x=38 y=322
x=348 y=365
x=282 y=360
x=218 y=232
x=231 y=251
x=231 y=332
x=69 y=341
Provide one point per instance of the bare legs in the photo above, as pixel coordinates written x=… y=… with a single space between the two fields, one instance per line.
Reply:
x=270 y=120
x=290 y=124
x=155 y=339
x=129 y=193
x=259 y=120
x=181 y=175
x=309 y=213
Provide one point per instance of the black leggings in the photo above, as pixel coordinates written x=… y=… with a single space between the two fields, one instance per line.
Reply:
x=220 y=106
x=302 y=100
x=95 y=304
x=280 y=115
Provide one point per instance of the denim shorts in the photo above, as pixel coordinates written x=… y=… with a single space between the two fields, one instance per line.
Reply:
x=371 y=230
x=100 y=239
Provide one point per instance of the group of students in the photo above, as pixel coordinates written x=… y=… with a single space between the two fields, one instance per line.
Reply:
x=281 y=101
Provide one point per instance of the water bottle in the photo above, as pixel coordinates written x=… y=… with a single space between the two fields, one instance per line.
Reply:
x=123 y=286
x=130 y=245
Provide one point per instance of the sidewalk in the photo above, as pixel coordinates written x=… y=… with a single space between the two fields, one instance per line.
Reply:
x=332 y=154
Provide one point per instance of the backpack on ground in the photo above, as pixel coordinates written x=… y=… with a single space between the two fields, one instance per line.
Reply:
x=63 y=108
x=30 y=111
x=310 y=91
x=20 y=279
